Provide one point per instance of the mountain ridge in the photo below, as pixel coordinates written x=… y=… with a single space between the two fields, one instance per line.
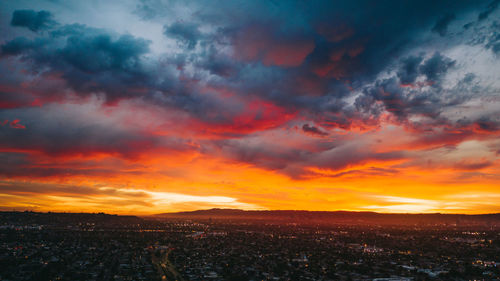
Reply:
x=230 y=210
x=333 y=217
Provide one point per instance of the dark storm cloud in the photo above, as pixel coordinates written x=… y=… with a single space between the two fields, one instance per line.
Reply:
x=409 y=69
x=488 y=124
x=489 y=9
x=352 y=50
x=441 y=25
x=402 y=97
x=60 y=135
x=294 y=162
x=18 y=46
x=186 y=33
x=61 y=131
x=348 y=52
x=13 y=100
x=377 y=36
x=99 y=63
x=266 y=155
x=33 y=20
x=341 y=157
x=244 y=66
x=93 y=60
x=435 y=67
x=218 y=65
x=95 y=54
x=313 y=130
x=400 y=101
x=369 y=172
x=89 y=60
x=358 y=42
x=473 y=166
x=493 y=38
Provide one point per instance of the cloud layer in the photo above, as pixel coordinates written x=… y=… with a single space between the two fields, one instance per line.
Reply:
x=345 y=94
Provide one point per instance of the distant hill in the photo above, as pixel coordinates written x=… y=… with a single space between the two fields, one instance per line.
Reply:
x=335 y=217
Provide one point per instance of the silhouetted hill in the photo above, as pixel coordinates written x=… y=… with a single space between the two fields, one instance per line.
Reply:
x=335 y=217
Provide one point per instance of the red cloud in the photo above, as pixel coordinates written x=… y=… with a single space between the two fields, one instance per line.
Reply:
x=339 y=61
x=258 y=115
x=15 y=124
x=257 y=43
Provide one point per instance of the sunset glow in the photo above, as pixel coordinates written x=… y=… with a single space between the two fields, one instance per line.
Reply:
x=146 y=107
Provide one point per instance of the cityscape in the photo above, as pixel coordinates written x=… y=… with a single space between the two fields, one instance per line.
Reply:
x=66 y=246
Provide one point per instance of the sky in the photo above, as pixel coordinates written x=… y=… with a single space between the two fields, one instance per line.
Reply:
x=151 y=106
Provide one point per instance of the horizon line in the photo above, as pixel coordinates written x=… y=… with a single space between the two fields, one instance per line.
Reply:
x=245 y=210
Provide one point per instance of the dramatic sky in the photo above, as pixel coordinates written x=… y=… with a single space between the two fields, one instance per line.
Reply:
x=152 y=106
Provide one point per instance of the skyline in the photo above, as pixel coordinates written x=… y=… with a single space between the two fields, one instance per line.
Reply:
x=145 y=107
